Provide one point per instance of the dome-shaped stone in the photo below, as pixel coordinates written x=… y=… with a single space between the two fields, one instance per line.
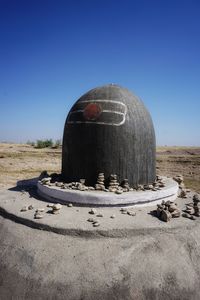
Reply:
x=109 y=130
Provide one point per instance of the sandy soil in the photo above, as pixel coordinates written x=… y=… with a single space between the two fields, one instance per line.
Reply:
x=18 y=162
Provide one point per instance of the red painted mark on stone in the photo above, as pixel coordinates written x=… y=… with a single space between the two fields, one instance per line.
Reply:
x=92 y=111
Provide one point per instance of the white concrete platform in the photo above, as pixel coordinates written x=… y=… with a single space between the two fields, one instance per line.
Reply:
x=101 y=198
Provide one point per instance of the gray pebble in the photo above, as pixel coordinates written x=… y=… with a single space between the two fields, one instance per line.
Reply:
x=57 y=206
x=96 y=224
x=91 y=220
x=131 y=213
x=24 y=208
x=38 y=216
x=112 y=217
x=99 y=215
x=39 y=210
x=93 y=211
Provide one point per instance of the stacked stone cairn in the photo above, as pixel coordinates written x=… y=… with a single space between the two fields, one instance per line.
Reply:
x=182 y=190
x=113 y=184
x=196 y=200
x=99 y=186
x=192 y=209
x=167 y=210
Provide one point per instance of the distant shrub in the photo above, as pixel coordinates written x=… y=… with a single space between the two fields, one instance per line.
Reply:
x=57 y=144
x=44 y=144
x=30 y=143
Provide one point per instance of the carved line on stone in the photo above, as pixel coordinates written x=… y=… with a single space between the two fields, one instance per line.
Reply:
x=107 y=111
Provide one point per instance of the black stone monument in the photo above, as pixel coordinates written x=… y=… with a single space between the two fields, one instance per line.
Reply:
x=109 y=130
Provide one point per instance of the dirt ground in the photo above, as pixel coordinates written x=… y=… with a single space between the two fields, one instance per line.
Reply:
x=18 y=162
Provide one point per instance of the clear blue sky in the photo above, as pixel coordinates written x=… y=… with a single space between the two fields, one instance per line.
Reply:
x=52 y=52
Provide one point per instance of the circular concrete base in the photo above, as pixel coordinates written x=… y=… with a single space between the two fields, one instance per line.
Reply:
x=74 y=220
x=101 y=198
x=69 y=259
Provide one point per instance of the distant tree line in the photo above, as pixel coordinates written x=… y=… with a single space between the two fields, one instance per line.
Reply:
x=47 y=143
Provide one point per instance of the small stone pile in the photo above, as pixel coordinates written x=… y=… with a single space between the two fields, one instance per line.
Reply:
x=126 y=211
x=113 y=183
x=94 y=222
x=140 y=187
x=39 y=213
x=167 y=210
x=81 y=185
x=46 y=181
x=148 y=187
x=159 y=183
x=125 y=185
x=55 y=208
x=192 y=209
x=100 y=182
x=60 y=184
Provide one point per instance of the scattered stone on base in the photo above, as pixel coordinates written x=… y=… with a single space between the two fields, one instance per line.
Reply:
x=183 y=194
x=24 y=208
x=196 y=200
x=59 y=184
x=126 y=211
x=91 y=188
x=96 y=224
x=38 y=215
x=56 y=208
x=112 y=216
x=186 y=215
x=189 y=209
x=39 y=210
x=179 y=179
x=81 y=185
x=45 y=180
x=91 y=220
x=131 y=213
x=125 y=185
x=93 y=211
x=70 y=205
x=30 y=207
x=99 y=215
x=123 y=210
x=119 y=191
x=140 y=187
